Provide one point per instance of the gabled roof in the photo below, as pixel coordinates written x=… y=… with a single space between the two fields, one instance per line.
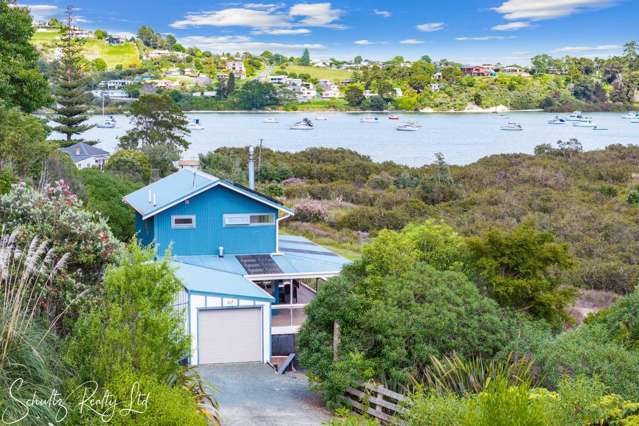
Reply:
x=182 y=185
x=82 y=151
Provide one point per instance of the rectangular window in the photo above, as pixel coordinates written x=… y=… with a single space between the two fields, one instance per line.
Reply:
x=183 y=222
x=248 y=219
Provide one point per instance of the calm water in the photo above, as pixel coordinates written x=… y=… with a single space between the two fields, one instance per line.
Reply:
x=463 y=138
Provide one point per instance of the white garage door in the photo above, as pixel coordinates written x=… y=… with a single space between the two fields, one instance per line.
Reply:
x=229 y=335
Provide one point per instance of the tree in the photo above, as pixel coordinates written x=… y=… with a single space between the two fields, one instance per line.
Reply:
x=519 y=269
x=426 y=58
x=230 y=85
x=21 y=82
x=99 y=64
x=100 y=34
x=170 y=41
x=257 y=95
x=630 y=53
x=374 y=103
x=358 y=60
x=71 y=85
x=354 y=95
x=160 y=130
x=306 y=58
x=149 y=37
x=133 y=166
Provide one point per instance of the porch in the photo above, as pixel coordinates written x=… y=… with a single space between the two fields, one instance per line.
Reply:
x=291 y=297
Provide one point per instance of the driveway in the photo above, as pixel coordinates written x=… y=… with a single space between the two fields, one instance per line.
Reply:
x=253 y=394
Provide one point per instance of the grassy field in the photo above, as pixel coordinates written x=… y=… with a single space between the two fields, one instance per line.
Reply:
x=125 y=54
x=320 y=73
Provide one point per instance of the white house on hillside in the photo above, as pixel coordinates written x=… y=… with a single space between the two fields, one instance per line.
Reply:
x=84 y=155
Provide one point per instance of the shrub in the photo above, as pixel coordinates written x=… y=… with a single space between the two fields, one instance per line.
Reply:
x=311 y=211
x=104 y=195
x=633 y=196
x=381 y=181
x=134 y=166
x=57 y=216
x=371 y=218
x=608 y=191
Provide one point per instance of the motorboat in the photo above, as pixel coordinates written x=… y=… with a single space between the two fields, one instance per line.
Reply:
x=393 y=117
x=369 y=119
x=557 y=120
x=407 y=127
x=513 y=127
x=271 y=120
x=635 y=120
x=320 y=118
x=501 y=116
x=305 y=124
x=631 y=115
x=599 y=128
x=587 y=123
x=107 y=123
x=195 y=125
x=578 y=116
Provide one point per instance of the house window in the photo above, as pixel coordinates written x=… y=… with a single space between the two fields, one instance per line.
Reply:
x=248 y=219
x=183 y=222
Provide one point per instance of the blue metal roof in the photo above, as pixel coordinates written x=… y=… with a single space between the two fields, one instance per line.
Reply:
x=205 y=280
x=297 y=256
x=183 y=185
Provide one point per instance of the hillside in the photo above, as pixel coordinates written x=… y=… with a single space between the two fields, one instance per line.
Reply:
x=320 y=73
x=126 y=54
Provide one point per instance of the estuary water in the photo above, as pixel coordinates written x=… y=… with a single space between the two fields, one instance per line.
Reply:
x=462 y=137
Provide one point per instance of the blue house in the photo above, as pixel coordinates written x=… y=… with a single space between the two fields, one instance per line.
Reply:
x=245 y=285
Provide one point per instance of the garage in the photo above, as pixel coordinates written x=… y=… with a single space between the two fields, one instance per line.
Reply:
x=230 y=335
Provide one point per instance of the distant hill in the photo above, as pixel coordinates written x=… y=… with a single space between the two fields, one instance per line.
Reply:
x=125 y=54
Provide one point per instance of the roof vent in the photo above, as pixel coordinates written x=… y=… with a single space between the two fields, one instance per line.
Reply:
x=155 y=199
x=77 y=150
x=150 y=197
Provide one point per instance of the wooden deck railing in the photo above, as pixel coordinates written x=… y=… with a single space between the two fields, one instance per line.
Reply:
x=376 y=401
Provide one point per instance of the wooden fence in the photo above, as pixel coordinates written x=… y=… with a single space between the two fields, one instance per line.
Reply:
x=376 y=401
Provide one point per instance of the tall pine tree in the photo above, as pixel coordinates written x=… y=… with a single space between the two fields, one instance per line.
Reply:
x=71 y=87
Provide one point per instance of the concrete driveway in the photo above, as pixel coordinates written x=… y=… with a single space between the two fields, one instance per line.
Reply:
x=253 y=394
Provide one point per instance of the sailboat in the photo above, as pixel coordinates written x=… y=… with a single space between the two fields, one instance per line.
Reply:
x=195 y=125
x=305 y=124
x=107 y=122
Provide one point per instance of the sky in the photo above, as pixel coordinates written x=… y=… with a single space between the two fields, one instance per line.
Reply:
x=470 y=31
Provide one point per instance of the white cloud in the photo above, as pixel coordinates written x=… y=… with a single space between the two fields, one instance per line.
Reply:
x=316 y=14
x=234 y=43
x=238 y=17
x=364 y=42
x=538 y=10
x=411 y=41
x=485 y=38
x=604 y=47
x=263 y=16
x=384 y=13
x=430 y=27
x=511 y=26
x=41 y=11
x=282 y=31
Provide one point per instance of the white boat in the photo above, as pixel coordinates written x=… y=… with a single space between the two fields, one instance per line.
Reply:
x=512 y=127
x=631 y=115
x=599 y=128
x=502 y=116
x=369 y=119
x=305 y=124
x=408 y=127
x=320 y=118
x=587 y=123
x=636 y=120
x=106 y=124
x=393 y=117
x=195 y=125
x=557 y=120
x=578 y=116
x=271 y=120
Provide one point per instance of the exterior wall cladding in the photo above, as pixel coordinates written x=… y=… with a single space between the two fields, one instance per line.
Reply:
x=210 y=232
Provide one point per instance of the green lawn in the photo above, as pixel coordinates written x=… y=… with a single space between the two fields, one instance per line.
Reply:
x=320 y=73
x=125 y=54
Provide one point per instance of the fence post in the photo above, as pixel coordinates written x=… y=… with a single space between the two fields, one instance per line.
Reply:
x=337 y=337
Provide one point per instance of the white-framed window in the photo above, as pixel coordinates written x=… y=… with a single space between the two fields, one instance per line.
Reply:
x=249 y=219
x=183 y=221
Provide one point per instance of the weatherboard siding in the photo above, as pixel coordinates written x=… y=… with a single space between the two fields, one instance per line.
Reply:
x=145 y=229
x=210 y=233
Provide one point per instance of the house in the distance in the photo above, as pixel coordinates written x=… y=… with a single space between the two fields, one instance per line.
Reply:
x=84 y=155
x=237 y=68
x=478 y=71
x=245 y=284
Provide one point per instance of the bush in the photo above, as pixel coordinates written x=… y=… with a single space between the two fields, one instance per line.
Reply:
x=104 y=194
x=311 y=211
x=371 y=219
x=633 y=196
x=133 y=166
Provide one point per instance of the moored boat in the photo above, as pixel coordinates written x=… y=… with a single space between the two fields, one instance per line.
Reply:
x=369 y=119
x=578 y=116
x=270 y=120
x=304 y=124
x=631 y=115
x=195 y=125
x=557 y=120
x=393 y=117
x=513 y=127
x=587 y=123
x=320 y=118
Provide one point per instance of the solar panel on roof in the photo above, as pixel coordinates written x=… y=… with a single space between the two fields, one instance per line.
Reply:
x=321 y=253
x=258 y=264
